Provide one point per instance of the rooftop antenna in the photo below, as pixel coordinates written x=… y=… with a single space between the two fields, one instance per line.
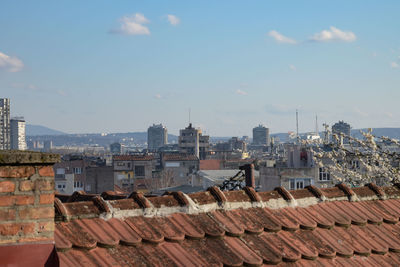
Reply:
x=189 y=116
x=316 y=125
x=297 y=125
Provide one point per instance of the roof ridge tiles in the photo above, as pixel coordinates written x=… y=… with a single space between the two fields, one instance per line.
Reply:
x=377 y=190
x=252 y=194
x=217 y=194
x=60 y=210
x=214 y=199
x=348 y=191
x=317 y=192
x=284 y=193
x=140 y=199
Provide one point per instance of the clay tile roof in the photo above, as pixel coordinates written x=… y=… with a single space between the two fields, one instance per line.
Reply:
x=210 y=164
x=336 y=226
x=133 y=157
x=179 y=157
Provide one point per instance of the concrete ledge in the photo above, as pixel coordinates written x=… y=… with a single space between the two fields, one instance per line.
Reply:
x=16 y=157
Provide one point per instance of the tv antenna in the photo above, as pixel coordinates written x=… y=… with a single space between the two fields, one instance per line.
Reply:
x=297 y=125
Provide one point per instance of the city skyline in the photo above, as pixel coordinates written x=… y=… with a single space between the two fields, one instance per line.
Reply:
x=107 y=67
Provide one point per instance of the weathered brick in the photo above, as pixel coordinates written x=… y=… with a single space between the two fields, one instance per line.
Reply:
x=7 y=215
x=15 y=228
x=6 y=201
x=24 y=200
x=7 y=186
x=26 y=186
x=16 y=200
x=46 y=226
x=16 y=171
x=46 y=171
x=9 y=229
x=36 y=213
x=47 y=199
x=44 y=185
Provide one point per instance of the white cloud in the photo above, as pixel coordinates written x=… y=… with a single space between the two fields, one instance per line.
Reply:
x=133 y=25
x=174 y=20
x=61 y=92
x=394 y=65
x=292 y=67
x=11 y=64
x=157 y=96
x=360 y=112
x=30 y=87
x=281 y=38
x=241 y=92
x=334 y=34
x=388 y=114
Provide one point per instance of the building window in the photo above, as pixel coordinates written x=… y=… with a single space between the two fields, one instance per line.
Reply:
x=78 y=184
x=77 y=170
x=355 y=164
x=299 y=183
x=120 y=164
x=324 y=175
x=60 y=171
x=139 y=171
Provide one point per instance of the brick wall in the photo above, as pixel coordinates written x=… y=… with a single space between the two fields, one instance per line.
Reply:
x=26 y=197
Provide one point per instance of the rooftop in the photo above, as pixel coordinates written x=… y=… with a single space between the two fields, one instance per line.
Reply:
x=332 y=226
x=179 y=157
x=133 y=157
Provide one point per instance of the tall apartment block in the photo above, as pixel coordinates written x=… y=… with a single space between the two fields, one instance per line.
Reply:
x=157 y=136
x=192 y=141
x=5 y=124
x=260 y=135
x=342 y=127
x=18 y=141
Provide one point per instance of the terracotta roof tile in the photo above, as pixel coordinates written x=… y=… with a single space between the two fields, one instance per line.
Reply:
x=179 y=157
x=133 y=157
x=199 y=229
x=210 y=164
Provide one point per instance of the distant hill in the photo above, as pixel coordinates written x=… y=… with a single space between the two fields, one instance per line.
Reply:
x=41 y=133
x=388 y=132
x=34 y=130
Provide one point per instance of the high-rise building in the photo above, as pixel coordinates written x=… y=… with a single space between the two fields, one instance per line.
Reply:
x=5 y=124
x=344 y=128
x=157 y=136
x=192 y=141
x=116 y=148
x=18 y=141
x=47 y=145
x=260 y=135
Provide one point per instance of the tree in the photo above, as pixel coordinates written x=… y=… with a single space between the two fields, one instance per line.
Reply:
x=372 y=160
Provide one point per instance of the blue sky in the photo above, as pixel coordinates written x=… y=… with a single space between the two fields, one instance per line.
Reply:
x=118 y=66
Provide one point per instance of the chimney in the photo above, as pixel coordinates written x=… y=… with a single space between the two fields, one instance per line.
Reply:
x=249 y=174
x=27 y=209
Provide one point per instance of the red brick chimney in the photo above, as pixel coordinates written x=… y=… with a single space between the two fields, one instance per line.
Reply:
x=27 y=209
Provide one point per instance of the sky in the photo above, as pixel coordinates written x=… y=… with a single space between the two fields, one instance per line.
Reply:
x=120 y=66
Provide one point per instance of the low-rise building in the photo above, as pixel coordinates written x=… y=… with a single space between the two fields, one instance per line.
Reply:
x=131 y=171
x=181 y=167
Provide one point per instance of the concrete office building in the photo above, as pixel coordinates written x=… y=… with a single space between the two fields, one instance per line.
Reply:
x=18 y=141
x=157 y=136
x=260 y=135
x=5 y=142
x=342 y=127
x=192 y=141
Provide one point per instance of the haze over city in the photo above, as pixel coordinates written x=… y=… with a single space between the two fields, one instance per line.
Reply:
x=122 y=66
